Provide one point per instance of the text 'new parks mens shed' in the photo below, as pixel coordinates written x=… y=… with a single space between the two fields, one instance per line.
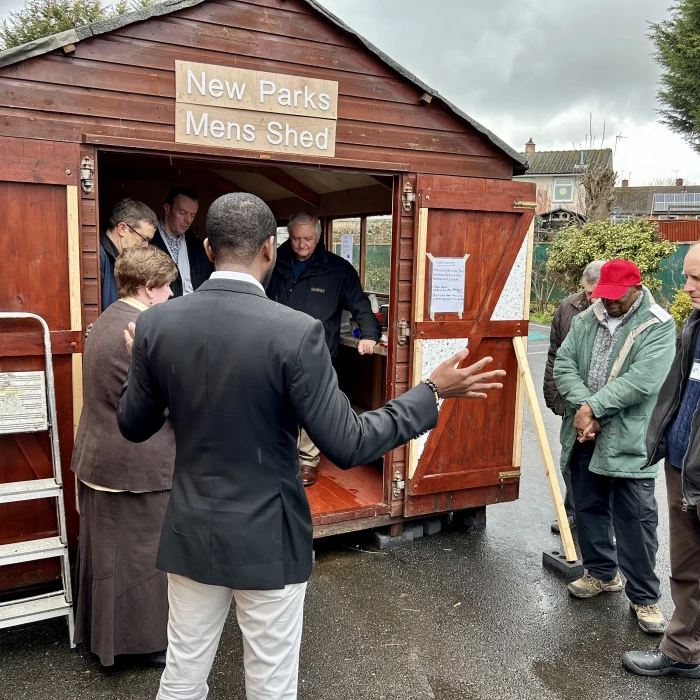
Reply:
x=281 y=99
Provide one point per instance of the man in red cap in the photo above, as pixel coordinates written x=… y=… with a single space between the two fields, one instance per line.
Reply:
x=674 y=436
x=609 y=371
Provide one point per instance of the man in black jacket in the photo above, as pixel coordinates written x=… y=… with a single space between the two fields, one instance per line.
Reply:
x=239 y=374
x=131 y=223
x=674 y=436
x=311 y=279
x=175 y=238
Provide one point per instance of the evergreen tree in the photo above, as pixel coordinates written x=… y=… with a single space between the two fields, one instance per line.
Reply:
x=677 y=43
x=39 y=18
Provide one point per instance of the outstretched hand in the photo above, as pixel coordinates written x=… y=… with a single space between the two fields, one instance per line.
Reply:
x=129 y=335
x=469 y=382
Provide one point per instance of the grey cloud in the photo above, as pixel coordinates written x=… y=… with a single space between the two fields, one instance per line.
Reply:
x=534 y=61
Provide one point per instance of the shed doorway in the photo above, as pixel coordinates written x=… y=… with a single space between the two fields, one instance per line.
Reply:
x=348 y=203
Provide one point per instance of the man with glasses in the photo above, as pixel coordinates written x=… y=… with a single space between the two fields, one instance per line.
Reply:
x=184 y=247
x=131 y=224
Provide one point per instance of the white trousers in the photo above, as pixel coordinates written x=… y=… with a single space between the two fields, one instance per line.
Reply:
x=270 y=622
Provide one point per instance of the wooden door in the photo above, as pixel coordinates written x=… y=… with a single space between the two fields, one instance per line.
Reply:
x=39 y=266
x=473 y=445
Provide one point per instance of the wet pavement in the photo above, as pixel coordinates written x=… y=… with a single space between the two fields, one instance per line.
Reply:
x=461 y=615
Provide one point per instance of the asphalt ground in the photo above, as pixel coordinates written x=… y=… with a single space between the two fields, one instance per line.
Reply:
x=460 y=615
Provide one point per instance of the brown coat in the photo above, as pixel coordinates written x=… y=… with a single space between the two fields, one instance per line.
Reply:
x=101 y=455
x=561 y=323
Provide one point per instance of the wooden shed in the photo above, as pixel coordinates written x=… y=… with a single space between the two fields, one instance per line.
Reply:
x=134 y=105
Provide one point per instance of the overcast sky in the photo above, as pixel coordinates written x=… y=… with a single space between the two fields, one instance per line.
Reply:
x=535 y=68
x=538 y=68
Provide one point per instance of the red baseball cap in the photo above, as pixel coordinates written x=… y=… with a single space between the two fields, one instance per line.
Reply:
x=616 y=277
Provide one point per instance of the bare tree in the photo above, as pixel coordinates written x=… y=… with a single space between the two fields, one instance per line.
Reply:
x=543 y=284
x=599 y=184
x=666 y=182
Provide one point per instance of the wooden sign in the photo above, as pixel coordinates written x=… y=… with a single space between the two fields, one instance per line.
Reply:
x=253 y=110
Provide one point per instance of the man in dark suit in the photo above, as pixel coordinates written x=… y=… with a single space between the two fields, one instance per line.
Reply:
x=239 y=374
x=175 y=238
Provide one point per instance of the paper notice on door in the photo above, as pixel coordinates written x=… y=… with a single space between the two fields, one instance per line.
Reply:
x=447 y=284
x=346 y=247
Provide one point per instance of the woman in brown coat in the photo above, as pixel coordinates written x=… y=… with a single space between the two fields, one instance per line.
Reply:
x=123 y=487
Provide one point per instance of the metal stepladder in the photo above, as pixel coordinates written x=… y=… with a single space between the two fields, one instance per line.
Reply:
x=23 y=409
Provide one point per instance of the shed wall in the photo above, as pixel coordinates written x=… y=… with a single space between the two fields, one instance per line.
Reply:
x=123 y=84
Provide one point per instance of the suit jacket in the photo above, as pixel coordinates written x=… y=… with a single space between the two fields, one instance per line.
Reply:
x=108 y=255
x=239 y=373
x=101 y=455
x=200 y=265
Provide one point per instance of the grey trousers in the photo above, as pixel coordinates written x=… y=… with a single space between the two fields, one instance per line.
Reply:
x=629 y=505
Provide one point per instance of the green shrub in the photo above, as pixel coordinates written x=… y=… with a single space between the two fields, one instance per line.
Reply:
x=636 y=240
x=681 y=308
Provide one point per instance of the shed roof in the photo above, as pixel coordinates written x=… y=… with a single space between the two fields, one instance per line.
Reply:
x=567 y=162
x=73 y=36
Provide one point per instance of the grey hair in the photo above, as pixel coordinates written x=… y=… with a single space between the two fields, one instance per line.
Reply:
x=302 y=218
x=132 y=213
x=592 y=272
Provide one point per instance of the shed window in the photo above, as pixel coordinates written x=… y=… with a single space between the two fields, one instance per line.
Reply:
x=371 y=250
x=563 y=190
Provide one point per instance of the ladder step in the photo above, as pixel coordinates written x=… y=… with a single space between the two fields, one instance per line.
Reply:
x=20 y=612
x=31 y=550
x=27 y=490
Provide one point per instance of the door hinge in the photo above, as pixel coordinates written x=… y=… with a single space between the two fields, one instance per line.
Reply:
x=404 y=332
x=399 y=484
x=509 y=475
x=524 y=205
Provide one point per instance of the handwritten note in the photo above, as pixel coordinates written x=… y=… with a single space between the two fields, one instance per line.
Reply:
x=346 y=247
x=447 y=277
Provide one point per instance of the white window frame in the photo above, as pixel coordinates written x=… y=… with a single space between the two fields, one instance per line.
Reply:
x=563 y=182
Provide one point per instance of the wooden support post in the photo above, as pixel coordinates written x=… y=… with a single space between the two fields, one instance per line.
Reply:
x=549 y=467
x=419 y=308
x=75 y=306
x=363 y=250
x=76 y=322
x=520 y=389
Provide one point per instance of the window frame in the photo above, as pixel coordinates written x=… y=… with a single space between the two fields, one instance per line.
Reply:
x=362 y=262
x=558 y=182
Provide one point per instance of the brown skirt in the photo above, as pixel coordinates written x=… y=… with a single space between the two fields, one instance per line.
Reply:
x=122 y=599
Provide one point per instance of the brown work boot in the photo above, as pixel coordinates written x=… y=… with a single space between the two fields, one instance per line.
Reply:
x=650 y=618
x=589 y=586
x=308 y=475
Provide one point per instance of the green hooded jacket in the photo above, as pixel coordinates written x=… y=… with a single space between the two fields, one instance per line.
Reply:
x=639 y=363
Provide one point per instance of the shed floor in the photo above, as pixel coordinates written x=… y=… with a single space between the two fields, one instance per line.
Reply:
x=337 y=490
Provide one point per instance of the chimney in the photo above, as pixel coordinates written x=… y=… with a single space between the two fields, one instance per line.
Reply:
x=530 y=148
x=625 y=183
x=679 y=182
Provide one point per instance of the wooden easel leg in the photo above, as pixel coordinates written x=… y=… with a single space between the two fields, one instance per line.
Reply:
x=549 y=467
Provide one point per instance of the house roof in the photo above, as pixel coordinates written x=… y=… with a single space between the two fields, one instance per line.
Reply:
x=73 y=36
x=639 y=201
x=567 y=162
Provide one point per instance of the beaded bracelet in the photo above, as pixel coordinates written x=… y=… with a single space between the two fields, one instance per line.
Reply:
x=433 y=387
